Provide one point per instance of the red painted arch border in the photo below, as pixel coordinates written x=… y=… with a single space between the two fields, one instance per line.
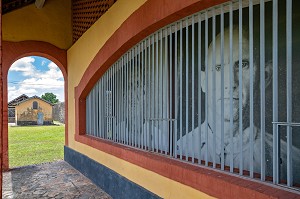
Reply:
x=12 y=51
x=150 y=17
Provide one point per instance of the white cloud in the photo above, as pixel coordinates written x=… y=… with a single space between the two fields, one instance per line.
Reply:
x=36 y=82
x=16 y=92
x=42 y=83
x=53 y=72
x=24 y=65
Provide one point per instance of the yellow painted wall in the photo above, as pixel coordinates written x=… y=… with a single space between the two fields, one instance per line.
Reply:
x=26 y=108
x=50 y=24
x=79 y=57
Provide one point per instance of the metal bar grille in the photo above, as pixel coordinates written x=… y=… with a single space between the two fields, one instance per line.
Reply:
x=199 y=90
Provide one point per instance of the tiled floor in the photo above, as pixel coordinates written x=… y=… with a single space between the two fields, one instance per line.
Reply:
x=49 y=180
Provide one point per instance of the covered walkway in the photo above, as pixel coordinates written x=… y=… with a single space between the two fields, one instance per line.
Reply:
x=49 y=180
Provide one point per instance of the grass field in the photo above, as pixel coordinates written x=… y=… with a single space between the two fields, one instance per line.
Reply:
x=35 y=144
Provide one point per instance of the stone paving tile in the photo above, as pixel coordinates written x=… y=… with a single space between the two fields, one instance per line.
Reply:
x=50 y=180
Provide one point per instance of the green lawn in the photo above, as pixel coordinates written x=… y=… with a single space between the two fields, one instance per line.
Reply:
x=35 y=144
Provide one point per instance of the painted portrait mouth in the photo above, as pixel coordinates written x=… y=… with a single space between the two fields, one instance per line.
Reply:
x=228 y=99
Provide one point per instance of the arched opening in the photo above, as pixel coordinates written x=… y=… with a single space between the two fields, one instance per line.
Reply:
x=36 y=110
x=13 y=51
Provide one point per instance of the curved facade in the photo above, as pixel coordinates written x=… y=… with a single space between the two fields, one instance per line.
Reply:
x=191 y=58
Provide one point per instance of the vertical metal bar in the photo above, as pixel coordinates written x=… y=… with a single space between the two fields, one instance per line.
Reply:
x=193 y=87
x=139 y=96
x=130 y=90
x=135 y=78
x=231 y=83
x=181 y=76
x=142 y=103
x=124 y=98
x=275 y=90
x=119 y=94
x=145 y=94
x=137 y=86
x=91 y=116
x=165 y=94
x=206 y=88
x=122 y=103
x=186 y=89
x=153 y=94
x=116 y=105
x=172 y=149
x=128 y=97
x=120 y=98
x=251 y=85
x=176 y=91
x=117 y=82
x=148 y=96
x=214 y=86
x=157 y=94
x=114 y=101
x=106 y=105
x=199 y=87
x=97 y=108
x=110 y=103
x=93 y=113
x=289 y=96
x=262 y=84
x=222 y=88
x=101 y=107
x=118 y=115
x=133 y=95
x=241 y=85
x=160 y=93
x=150 y=93
x=87 y=114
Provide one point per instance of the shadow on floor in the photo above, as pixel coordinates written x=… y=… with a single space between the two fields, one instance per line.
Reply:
x=49 y=180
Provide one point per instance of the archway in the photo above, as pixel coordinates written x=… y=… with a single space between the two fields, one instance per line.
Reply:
x=13 y=51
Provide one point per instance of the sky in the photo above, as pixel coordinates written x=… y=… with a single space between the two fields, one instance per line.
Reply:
x=35 y=76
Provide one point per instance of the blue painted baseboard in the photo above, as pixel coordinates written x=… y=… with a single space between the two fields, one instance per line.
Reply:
x=111 y=182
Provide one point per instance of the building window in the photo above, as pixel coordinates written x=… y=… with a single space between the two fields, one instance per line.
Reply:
x=34 y=105
x=217 y=88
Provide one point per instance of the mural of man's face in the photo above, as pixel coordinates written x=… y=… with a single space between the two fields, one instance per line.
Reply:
x=226 y=64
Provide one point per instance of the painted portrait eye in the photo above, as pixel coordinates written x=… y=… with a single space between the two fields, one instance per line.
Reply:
x=245 y=64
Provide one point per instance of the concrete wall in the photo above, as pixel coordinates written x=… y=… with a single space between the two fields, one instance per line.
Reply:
x=50 y=24
x=26 y=115
x=59 y=112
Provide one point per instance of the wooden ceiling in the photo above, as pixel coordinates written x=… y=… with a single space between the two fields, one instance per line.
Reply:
x=10 y=5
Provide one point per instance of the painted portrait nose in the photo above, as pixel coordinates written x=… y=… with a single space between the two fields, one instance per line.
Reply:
x=227 y=78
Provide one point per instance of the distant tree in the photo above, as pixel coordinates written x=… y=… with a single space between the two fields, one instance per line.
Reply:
x=50 y=97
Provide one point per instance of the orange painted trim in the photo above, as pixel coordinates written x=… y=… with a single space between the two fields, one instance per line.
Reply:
x=215 y=183
x=13 y=51
x=150 y=17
